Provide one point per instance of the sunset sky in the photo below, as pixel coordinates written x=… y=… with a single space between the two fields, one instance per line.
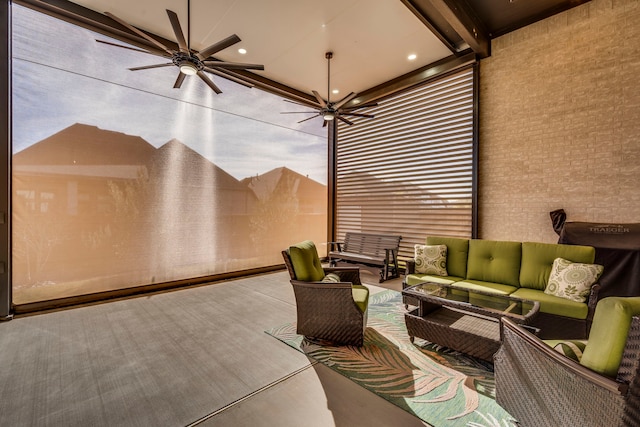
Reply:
x=78 y=80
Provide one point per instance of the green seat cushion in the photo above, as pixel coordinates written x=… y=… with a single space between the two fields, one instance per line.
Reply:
x=494 y=261
x=537 y=260
x=414 y=279
x=554 y=305
x=479 y=285
x=457 y=251
x=360 y=296
x=608 y=335
x=305 y=261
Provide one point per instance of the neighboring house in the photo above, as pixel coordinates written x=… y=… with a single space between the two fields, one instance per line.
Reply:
x=292 y=207
x=121 y=212
x=102 y=199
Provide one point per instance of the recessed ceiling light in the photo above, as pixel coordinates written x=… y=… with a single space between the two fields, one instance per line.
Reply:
x=335 y=91
x=412 y=57
x=242 y=51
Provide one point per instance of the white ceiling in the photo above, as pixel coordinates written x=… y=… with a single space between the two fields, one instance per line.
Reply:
x=371 y=39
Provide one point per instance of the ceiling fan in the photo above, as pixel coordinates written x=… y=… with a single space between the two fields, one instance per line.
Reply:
x=331 y=110
x=187 y=60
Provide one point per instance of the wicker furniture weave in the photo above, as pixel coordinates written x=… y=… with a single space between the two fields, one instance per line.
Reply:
x=466 y=321
x=326 y=312
x=540 y=387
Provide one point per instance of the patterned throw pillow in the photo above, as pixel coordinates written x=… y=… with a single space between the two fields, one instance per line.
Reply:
x=572 y=349
x=431 y=259
x=572 y=280
x=331 y=278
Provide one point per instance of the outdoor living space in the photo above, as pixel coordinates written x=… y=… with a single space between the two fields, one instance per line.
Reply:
x=163 y=157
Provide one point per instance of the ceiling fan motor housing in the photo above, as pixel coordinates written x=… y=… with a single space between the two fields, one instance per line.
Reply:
x=181 y=58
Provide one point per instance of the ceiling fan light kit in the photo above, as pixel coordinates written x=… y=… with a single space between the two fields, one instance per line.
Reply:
x=331 y=110
x=189 y=69
x=188 y=61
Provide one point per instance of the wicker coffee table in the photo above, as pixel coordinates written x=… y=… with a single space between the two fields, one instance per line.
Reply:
x=463 y=320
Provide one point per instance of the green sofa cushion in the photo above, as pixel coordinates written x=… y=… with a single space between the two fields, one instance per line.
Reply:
x=414 y=279
x=494 y=261
x=554 y=305
x=305 y=262
x=360 y=296
x=537 y=260
x=608 y=335
x=479 y=285
x=457 y=251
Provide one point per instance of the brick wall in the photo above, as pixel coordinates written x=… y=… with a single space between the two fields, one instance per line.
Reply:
x=560 y=123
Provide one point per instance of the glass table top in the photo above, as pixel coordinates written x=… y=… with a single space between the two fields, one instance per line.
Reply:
x=494 y=303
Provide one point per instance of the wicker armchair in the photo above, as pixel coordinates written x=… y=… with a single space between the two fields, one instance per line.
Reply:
x=541 y=387
x=330 y=312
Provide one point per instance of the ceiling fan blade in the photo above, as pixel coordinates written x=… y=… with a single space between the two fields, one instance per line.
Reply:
x=355 y=107
x=308 y=118
x=298 y=112
x=344 y=120
x=228 y=77
x=217 y=47
x=368 y=116
x=147 y=67
x=234 y=65
x=323 y=103
x=309 y=105
x=209 y=82
x=126 y=47
x=345 y=100
x=138 y=32
x=177 y=30
x=179 y=80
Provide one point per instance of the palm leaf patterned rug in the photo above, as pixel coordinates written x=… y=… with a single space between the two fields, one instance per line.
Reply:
x=440 y=386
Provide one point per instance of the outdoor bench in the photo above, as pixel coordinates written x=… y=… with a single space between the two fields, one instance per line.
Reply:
x=375 y=252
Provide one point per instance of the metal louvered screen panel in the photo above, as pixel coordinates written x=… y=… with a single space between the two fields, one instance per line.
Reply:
x=410 y=171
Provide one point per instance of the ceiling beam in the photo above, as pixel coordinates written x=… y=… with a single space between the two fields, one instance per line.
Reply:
x=421 y=75
x=454 y=22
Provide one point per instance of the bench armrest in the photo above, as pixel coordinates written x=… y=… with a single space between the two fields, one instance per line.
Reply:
x=337 y=245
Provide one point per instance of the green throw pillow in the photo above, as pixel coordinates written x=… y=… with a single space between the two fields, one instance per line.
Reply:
x=572 y=280
x=572 y=349
x=431 y=259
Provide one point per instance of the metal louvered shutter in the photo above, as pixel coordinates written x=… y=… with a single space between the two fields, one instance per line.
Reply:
x=411 y=170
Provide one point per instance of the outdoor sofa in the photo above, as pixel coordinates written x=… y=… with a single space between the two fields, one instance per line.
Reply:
x=519 y=269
